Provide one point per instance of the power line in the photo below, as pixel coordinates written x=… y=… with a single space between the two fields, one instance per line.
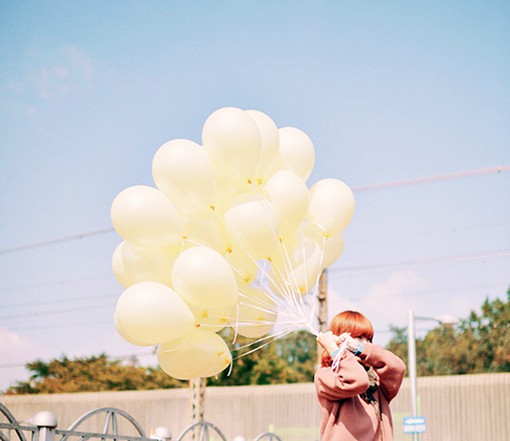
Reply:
x=355 y=189
x=67 y=238
x=435 y=178
x=434 y=260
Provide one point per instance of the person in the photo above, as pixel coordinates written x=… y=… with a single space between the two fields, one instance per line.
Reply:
x=356 y=381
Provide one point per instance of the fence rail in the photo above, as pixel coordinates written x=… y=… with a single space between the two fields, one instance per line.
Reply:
x=464 y=407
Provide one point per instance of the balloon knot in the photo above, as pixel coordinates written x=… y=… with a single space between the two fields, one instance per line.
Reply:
x=249 y=181
x=184 y=237
x=212 y=207
x=260 y=181
x=229 y=250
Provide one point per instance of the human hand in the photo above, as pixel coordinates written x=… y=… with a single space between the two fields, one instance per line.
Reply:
x=328 y=341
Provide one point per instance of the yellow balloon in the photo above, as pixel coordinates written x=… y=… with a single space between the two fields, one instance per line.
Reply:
x=257 y=313
x=298 y=269
x=331 y=206
x=184 y=172
x=269 y=145
x=145 y=216
x=151 y=313
x=125 y=336
x=289 y=195
x=132 y=264
x=203 y=277
x=232 y=140
x=254 y=226
x=207 y=231
x=244 y=266
x=213 y=319
x=297 y=151
x=332 y=246
x=201 y=354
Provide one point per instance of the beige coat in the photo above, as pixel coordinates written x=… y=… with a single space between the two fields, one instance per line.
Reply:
x=345 y=416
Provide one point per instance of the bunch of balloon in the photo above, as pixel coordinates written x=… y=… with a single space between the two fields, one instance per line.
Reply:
x=230 y=235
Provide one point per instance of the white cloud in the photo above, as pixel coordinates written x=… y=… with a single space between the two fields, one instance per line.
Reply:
x=385 y=303
x=20 y=351
x=66 y=73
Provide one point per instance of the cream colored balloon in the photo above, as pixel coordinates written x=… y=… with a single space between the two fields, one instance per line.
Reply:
x=145 y=216
x=171 y=345
x=201 y=354
x=213 y=319
x=207 y=231
x=203 y=277
x=184 y=172
x=125 y=336
x=232 y=139
x=269 y=144
x=132 y=263
x=244 y=266
x=297 y=151
x=331 y=206
x=257 y=313
x=150 y=313
x=289 y=195
x=254 y=226
x=332 y=246
x=298 y=271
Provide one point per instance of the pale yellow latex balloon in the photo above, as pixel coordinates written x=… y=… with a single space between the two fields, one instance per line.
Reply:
x=150 y=313
x=213 y=319
x=132 y=263
x=201 y=354
x=257 y=313
x=297 y=151
x=332 y=246
x=331 y=206
x=184 y=172
x=289 y=195
x=203 y=277
x=244 y=266
x=208 y=231
x=232 y=139
x=254 y=226
x=125 y=336
x=269 y=144
x=171 y=345
x=145 y=216
x=298 y=268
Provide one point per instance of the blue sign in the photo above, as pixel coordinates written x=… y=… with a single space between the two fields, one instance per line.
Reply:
x=414 y=424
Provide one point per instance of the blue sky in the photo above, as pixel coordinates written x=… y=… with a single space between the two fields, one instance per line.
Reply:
x=387 y=91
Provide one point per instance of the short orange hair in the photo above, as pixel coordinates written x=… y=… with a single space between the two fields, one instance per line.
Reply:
x=352 y=322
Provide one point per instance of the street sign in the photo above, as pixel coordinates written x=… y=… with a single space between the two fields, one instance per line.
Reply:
x=414 y=424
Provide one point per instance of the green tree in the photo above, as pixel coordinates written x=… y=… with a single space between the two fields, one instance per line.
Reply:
x=88 y=374
x=479 y=344
x=287 y=360
x=290 y=359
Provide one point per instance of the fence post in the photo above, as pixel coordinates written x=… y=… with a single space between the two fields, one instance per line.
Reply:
x=46 y=424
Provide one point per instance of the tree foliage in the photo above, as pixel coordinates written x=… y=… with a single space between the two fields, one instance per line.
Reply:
x=286 y=360
x=479 y=344
x=90 y=374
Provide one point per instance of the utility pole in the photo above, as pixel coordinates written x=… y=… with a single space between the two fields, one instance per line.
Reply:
x=197 y=386
x=322 y=313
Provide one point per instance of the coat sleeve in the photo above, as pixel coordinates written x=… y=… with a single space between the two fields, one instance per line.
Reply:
x=350 y=380
x=388 y=366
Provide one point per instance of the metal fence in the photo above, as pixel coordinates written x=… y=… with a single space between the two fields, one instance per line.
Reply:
x=43 y=427
x=457 y=408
